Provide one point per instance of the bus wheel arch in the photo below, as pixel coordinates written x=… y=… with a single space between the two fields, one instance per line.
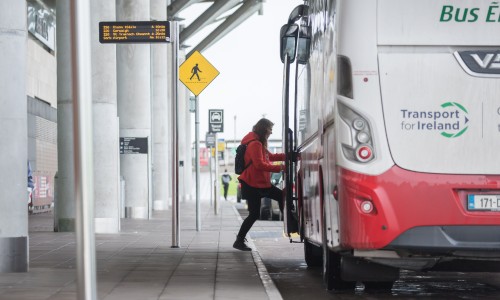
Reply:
x=332 y=261
x=332 y=267
x=312 y=252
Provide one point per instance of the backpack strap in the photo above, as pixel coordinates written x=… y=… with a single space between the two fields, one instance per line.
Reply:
x=245 y=152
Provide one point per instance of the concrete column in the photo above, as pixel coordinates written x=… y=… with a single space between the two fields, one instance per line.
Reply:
x=160 y=116
x=14 y=138
x=106 y=140
x=134 y=109
x=64 y=205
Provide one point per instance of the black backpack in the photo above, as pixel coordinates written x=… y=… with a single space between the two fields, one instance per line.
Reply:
x=239 y=159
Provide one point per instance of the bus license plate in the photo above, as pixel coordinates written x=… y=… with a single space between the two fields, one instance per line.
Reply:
x=484 y=202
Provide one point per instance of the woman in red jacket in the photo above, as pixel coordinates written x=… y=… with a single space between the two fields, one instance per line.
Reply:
x=256 y=178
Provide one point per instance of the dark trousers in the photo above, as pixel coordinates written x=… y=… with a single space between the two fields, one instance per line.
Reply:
x=226 y=187
x=253 y=196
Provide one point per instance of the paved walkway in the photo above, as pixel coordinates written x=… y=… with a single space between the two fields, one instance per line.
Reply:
x=139 y=262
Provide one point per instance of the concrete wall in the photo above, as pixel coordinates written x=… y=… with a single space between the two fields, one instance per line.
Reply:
x=41 y=73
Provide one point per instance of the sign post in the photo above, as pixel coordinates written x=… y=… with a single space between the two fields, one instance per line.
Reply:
x=215 y=125
x=175 y=139
x=210 y=143
x=197 y=73
x=216 y=179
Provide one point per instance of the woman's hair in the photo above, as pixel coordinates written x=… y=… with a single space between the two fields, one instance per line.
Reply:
x=261 y=128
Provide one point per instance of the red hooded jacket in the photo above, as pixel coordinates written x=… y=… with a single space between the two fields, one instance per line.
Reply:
x=258 y=173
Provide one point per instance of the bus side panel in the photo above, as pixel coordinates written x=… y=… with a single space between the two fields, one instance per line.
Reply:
x=311 y=193
x=330 y=182
x=311 y=104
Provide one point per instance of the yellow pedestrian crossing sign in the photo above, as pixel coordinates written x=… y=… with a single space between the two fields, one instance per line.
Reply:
x=197 y=73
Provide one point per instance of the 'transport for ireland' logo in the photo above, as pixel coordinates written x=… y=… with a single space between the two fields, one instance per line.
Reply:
x=465 y=120
x=451 y=120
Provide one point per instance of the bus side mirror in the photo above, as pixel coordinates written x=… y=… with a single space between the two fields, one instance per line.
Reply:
x=304 y=45
x=288 y=42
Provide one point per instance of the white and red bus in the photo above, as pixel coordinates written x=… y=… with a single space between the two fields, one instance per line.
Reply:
x=394 y=108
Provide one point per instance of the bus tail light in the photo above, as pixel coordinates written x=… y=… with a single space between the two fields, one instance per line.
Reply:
x=355 y=136
x=364 y=153
x=366 y=206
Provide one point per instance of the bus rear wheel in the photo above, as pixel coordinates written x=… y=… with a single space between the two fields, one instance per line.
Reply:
x=374 y=276
x=312 y=254
x=333 y=265
x=332 y=270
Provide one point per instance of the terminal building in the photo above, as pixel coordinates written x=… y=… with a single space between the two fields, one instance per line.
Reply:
x=130 y=104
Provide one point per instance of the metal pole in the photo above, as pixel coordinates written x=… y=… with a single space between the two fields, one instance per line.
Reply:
x=210 y=172
x=83 y=148
x=197 y=156
x=216 y=180
x=175 y=136
x=214 y=183
x=234 y=140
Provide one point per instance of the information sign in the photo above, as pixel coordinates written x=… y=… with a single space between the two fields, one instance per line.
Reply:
x=133 y=145
x=197 y=73
x=134 y=32
x=216 y=120
x=210 y=140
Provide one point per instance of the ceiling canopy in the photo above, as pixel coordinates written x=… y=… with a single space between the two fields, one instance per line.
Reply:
x=230 y=14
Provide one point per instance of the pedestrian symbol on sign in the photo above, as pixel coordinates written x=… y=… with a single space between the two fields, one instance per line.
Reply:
x=195 y=71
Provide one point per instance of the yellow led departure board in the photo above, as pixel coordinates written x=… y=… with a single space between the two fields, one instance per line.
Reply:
x=134 y=32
